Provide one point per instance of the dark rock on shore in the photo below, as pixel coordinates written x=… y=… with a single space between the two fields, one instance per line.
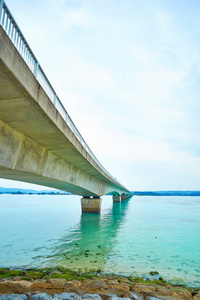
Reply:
x=41 y=296
x=67 y=296
x=13 y=297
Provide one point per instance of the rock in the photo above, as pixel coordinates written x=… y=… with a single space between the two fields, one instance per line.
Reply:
x=110 y=289
x=40 y=286
x=28 y=295
x=13 y=297
x=100 y=284
x=53 y=286
x=158 y=291
x=67 y=296
x=57 y=282
x=154 y=298
x=14 y=287
x=98 y=289
x=123 y=288
x=77 y=291
x=92 y=296
x=106 y=296
x=143 y=288
x=118 y=298
x=179 y=294
x=135 y=296
x=168 y=294
x=196 y=295
x=41 y=296
x=164 y=298
x=91 y=288
x=16 y=278
x=73 y=284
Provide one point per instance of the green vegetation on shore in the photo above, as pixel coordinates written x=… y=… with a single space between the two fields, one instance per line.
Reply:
x=45 y=273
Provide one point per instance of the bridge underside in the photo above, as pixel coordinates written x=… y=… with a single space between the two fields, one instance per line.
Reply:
x=36 y=144
x=24 y=160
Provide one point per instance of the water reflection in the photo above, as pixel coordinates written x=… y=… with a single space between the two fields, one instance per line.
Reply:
x=90 y=242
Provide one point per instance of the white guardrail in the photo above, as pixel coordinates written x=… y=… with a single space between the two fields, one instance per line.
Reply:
x=14 y=33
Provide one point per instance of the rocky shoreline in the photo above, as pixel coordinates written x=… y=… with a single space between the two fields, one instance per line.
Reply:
x=69 y=285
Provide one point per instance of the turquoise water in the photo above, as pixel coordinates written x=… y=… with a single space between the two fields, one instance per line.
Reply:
x=131 y=238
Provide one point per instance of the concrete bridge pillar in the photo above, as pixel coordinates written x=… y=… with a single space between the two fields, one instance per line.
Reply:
x=91 y=205
x=123 y=196
x=116 y=198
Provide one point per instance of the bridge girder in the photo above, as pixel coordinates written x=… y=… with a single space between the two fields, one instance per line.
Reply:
x=37 y=145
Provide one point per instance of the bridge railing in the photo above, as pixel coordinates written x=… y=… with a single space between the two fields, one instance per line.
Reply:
x=14 y=33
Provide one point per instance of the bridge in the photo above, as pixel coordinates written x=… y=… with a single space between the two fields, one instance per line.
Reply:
x=39 y=142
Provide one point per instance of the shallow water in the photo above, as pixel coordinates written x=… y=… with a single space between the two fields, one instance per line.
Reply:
x=133 y=237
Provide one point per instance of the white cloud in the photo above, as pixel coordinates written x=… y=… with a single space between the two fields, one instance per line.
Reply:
x=75 y=18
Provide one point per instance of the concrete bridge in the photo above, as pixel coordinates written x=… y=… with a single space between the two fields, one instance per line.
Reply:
x=39 y=143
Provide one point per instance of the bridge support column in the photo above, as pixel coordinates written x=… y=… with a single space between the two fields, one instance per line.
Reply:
x=116 y=198
x=91 y=205
x=126 y=196
x=123 y=196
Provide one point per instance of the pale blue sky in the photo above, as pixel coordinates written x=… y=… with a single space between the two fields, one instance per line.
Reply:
x=128 y=74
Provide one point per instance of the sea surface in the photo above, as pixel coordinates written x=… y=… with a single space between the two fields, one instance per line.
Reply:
x=133 y=237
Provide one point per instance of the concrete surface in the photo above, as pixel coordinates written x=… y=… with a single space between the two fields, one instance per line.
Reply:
x=36 y=144
x=116 y=198
x=91 y=205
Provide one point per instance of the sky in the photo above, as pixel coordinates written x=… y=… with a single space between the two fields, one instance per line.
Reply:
x=127 y=72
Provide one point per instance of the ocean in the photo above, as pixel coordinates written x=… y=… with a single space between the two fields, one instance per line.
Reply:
x=134 y=237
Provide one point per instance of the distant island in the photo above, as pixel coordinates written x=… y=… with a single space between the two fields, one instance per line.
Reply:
x=16 y=191
x=166 y=193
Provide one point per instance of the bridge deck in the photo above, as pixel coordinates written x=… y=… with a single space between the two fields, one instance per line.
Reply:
x=26 y=109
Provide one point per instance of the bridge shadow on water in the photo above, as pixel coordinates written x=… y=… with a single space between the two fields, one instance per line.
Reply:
x=89 y=244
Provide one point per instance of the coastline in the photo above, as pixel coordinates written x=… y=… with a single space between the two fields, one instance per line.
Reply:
x=59 y=280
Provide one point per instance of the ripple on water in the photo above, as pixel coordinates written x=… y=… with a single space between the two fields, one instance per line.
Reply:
x=131 y=238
